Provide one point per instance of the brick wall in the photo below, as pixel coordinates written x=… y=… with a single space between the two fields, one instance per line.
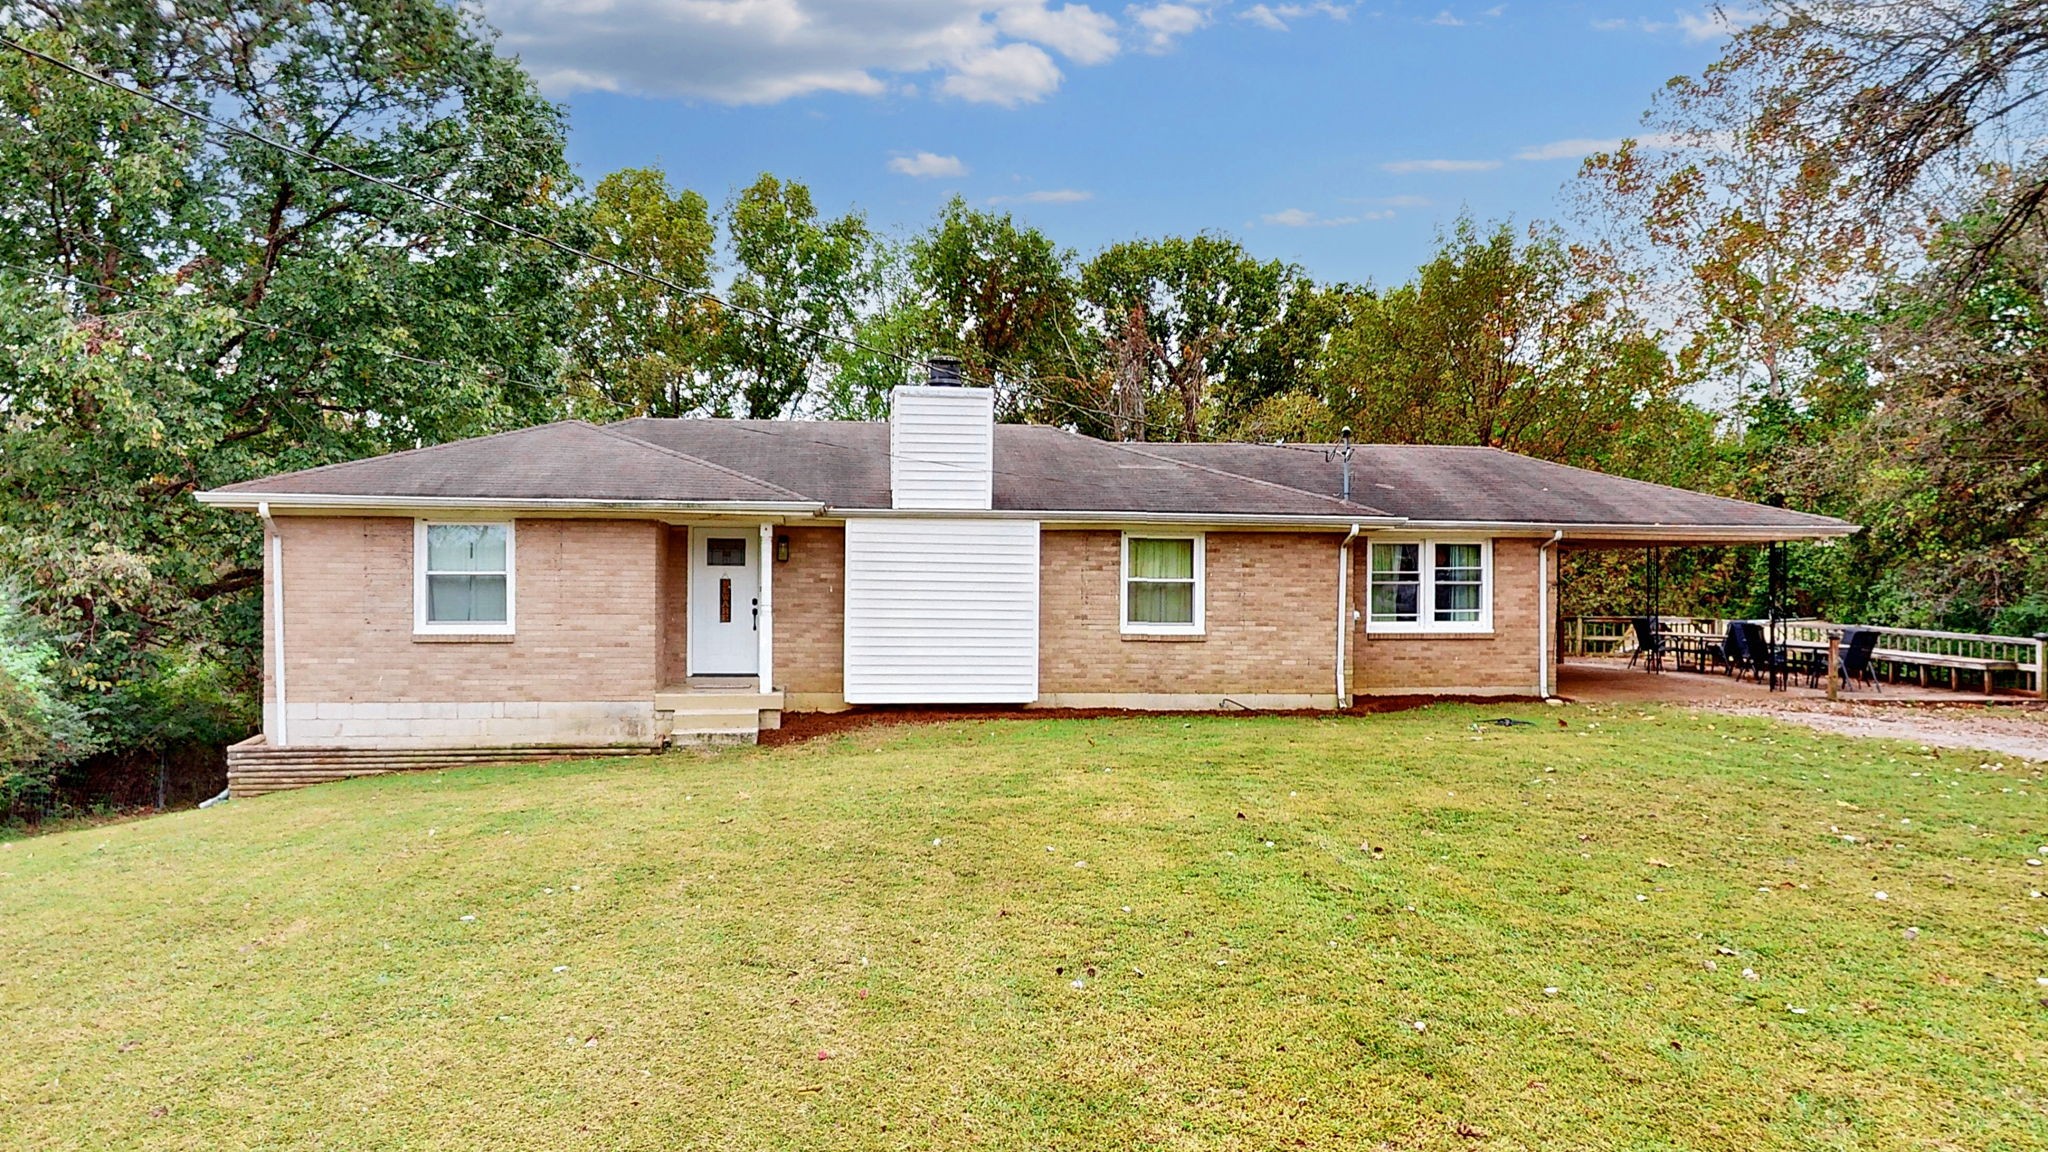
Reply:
x=810 y=612
x=1271 y=619
x=587 y=642
x=1500 y=662
x=674 y=562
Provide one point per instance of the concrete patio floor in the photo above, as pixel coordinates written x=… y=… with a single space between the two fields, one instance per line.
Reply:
x=1614 y=681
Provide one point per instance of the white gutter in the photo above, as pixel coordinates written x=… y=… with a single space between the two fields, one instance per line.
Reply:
x=1716 y=533
x=1056 y=519
x=330 y=502
x=276 y=566
x=1344 y=614
x=1544 y=620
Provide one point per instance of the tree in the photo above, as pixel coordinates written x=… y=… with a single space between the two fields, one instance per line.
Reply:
x=184 y=310
x=1500 y=343
x=1917 y=96
x=636 y=346
x=798 y=286
x=1000 y=297
x=1203 y=304
x=1731 y=216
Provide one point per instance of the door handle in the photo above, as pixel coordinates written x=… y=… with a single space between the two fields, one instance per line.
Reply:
x=757 y=614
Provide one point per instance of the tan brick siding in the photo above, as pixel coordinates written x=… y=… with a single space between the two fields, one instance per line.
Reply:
x=674 y=610
x=1503 y=661
x=810 y=612
x=585 y=612
x=1271 y=619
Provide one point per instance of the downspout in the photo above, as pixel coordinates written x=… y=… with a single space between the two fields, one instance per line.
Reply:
x=1344 y=616
x=1544 y=621
x=277 y=617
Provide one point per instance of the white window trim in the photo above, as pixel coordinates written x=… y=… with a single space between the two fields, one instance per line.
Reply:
x=1123 y=587
x=1426 y=595
x=421 y=626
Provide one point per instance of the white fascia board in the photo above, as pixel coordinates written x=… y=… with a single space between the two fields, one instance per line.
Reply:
x=1648 y=533
x=1098 y=519
x=322 y=502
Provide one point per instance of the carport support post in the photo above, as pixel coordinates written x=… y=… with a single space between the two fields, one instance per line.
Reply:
x=1834 y=661
x=2041 y=665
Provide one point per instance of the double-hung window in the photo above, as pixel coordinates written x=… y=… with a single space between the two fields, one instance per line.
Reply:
x=1162 y=585
x=462 y=577
x=1430 y=586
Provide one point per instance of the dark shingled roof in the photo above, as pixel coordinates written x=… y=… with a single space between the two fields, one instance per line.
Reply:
x=845 y=466
x=570 y=460
x=1436 y=482
x=1037 y=469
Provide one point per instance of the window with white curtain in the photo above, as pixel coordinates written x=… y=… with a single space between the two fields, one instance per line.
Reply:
x=1162 y=585
x=1430 y=586
x=463 y=580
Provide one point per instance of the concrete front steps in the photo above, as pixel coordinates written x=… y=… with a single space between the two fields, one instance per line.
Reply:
x=254 y=767
x=705 y=713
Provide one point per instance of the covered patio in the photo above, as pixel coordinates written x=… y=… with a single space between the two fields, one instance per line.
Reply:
x=1651 y=655
x=1612 y=680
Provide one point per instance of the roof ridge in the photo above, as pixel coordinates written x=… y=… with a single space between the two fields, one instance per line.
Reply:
x=650 y=446
x=1126 y=446
x=329 y=467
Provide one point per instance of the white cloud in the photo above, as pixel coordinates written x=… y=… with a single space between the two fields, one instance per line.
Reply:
x=1076 y=31
x=1401 y=201
x=1579 y=149
x=1277 y=17
x=927 y=165
x=1404 y=167
x=1697 y=26
x=764 y=51
x=1045 y=196
x=1567 y=149
x=1302 y=218
x=1447 y=20
x=1011 y=75
x=1164 y=24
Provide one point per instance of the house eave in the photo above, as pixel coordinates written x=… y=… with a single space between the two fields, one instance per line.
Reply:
x=1644 y=533
x=1058 y=518
x=333 y=503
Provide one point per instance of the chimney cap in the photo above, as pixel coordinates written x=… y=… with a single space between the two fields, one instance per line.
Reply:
x=943 y=372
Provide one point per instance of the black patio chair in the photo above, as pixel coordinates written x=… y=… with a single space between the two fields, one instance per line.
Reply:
x=1757 y=653
x=1730 y=655
x=1649 y=644
x=1857 y=646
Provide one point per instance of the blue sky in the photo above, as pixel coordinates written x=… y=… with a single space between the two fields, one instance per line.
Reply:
x=1337 y=136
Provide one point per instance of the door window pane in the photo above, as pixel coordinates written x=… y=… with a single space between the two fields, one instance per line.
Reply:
x=726 y=553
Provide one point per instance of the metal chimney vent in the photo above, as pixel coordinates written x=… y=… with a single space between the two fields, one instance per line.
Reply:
x=944 y=372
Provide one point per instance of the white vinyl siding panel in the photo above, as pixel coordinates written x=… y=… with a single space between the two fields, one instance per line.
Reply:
x=941 y=611
x=942 y=448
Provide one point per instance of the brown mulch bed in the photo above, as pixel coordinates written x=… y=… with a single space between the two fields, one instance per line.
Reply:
x=798 y=727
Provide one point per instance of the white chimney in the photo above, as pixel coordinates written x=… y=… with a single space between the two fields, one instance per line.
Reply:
x=942 y=442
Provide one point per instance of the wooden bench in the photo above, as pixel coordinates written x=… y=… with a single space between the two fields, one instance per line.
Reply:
x=1922 y=661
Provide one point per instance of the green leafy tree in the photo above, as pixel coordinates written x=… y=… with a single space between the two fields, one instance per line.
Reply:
x=1193 y=310
x=799 y=285
x=636 y=346
x=184 y=309
x=1499 y=342
x=1000 y=297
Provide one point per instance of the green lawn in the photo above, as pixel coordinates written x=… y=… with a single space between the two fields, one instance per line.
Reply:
x=1062 y=934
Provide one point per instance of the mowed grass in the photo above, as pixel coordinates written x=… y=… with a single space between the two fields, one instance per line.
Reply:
x=1062 y=934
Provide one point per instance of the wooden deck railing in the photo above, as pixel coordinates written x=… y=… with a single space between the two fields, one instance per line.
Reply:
x=2014 y=662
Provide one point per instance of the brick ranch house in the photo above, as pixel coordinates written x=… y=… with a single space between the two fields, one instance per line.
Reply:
x=571 y=588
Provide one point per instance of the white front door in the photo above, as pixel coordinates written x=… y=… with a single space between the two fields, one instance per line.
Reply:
x=725 y=601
